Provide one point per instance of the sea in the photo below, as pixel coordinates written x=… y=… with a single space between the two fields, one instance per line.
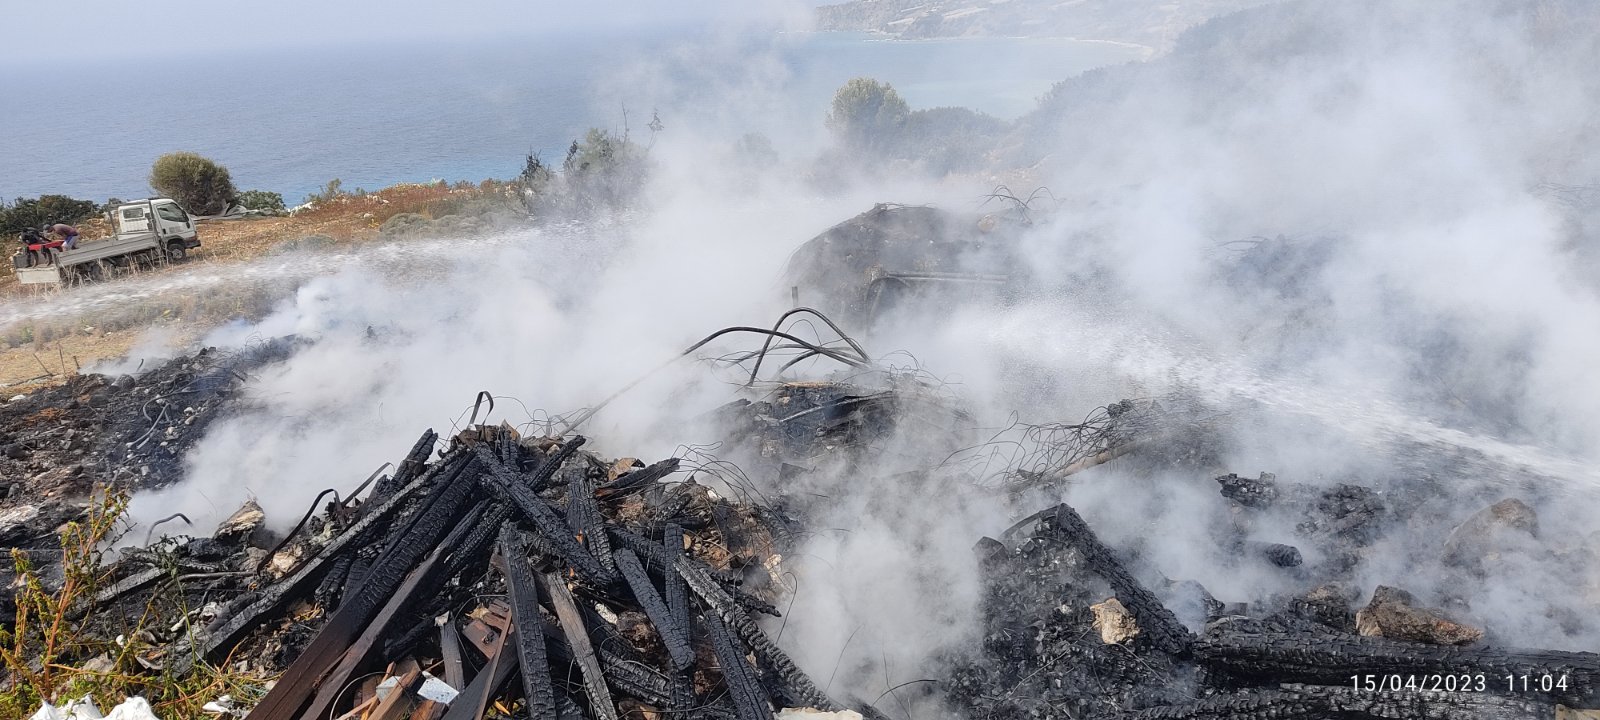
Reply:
x=373 y=115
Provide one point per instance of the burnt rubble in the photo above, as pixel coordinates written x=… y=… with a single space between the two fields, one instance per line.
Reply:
x=585 y=583
x=496 y=574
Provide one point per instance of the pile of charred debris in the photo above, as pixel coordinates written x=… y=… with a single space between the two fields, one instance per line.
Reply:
x=496 y=575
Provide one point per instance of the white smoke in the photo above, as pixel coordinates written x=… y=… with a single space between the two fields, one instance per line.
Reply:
x=1414 y=140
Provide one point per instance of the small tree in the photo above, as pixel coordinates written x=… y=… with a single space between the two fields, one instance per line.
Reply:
x=201 y=186
x=866 y=113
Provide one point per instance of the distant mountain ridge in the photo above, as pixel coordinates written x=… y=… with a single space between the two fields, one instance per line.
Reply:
x=1154 y=24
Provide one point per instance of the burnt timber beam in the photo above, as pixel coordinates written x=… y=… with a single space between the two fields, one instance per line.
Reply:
x=720 y=603
x=425 y=531
x=227 y=633
x=1332 y=659
x=594 y=680
x=540 y=694
x=469 y=704
x=1316 y=702
x=1165 y=631
x=557 y=535
x=674 y=636
x=749 y=700
x=638 y=478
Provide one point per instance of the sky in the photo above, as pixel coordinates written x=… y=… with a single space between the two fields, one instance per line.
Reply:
x=101 y=29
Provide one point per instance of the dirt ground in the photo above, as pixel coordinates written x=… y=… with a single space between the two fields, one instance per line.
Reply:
x=346 y=219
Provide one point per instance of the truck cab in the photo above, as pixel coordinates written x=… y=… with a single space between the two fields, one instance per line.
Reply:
x=173 y=227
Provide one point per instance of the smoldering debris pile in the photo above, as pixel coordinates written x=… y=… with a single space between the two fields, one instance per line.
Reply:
x=127 y=431
x=492 y=575
x=523 y=574
x=1072 y=631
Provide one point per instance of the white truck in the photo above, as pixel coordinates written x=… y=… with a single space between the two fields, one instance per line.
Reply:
x=148 y=232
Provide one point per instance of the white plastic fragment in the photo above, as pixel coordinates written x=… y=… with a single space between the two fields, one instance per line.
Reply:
x=80 y=709
x=432 y=688
x=222 y=706
x=134 y=708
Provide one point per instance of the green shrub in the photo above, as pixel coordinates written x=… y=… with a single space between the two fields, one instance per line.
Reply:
x=24 y=213
x=867 y=114
x=262 y=201
x=333 y=189
x=199 y=185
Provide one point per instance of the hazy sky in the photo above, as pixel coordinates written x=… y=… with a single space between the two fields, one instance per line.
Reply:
x=103 y=29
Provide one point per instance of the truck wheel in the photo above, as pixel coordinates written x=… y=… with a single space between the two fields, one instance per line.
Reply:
x=176 y=252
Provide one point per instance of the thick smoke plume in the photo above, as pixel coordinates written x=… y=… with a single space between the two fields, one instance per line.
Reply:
x=1337 y=228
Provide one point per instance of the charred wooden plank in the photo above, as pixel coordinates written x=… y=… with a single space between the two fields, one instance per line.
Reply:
x=749 y=700
x=426 y=575
x=1315 y=702
x=331 y=589
x=1163 y=628
x=333 y=680
x=674 y=636
x=1273 y=657
x=583 y=515
x=347 y=623
x=451 y=656
x=594 y=680
x=524 y=596
x=677 y=599
x=416 y=460
x=638 y=478
x=227 y=632
x=474 y=550
x=720 y=603
x=472 y=700
x=555 y=531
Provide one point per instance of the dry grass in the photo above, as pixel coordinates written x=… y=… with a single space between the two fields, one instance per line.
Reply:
x=53 y=343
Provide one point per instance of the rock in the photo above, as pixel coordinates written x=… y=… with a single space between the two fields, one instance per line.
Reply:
x=1260 y=493
x=100 y=664
x=1392 y=614
x=14 y=521
x=1114 y=622
x=243 y=524
x=1491 y=532
x=16 y=451
x=1279 y=554
x=1329 y=604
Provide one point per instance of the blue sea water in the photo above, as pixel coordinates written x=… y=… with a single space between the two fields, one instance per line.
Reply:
x=374 y=115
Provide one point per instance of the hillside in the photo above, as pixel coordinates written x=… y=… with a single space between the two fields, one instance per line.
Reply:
x=1143 y=22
